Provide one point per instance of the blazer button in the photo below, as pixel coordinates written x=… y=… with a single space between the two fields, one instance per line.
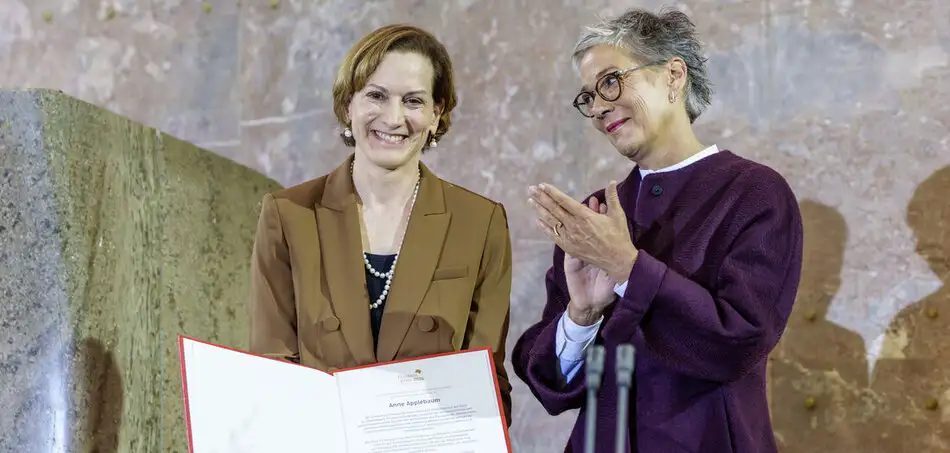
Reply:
x=657 y=190
x=426 y=324
x=331 y=323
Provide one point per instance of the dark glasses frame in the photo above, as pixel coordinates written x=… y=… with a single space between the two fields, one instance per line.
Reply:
x=618 y=75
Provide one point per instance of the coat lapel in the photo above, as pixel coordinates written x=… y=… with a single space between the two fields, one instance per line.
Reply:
x=342 y=250
x=418 y=257
x=628 y=192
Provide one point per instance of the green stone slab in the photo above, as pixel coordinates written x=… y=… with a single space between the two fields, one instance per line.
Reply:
x=114 y=239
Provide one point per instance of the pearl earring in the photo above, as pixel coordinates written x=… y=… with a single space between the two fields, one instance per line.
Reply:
x=433 y=143
x=347 y=132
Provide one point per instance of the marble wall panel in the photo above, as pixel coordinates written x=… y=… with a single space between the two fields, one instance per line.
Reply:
x=114 y=240
x=128 y=55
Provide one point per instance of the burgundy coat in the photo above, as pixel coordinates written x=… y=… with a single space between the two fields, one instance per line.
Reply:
x=720 y=245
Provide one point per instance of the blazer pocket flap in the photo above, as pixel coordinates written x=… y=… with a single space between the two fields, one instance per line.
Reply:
x=445 y=273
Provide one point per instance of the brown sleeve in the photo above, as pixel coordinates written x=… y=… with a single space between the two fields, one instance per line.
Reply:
x=492 y=300
x=272 y=309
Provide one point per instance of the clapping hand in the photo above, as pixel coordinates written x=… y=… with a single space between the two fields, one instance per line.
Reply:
x=600 y=239
x=596 y=239
x=590 y=288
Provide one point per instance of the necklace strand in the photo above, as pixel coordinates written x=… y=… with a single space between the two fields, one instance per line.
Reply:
x=388 y=275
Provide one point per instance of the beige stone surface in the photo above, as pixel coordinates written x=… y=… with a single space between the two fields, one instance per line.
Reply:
x=114 y=240
x=848 y=99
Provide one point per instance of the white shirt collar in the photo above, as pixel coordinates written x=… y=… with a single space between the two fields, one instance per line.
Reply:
x=685 y=163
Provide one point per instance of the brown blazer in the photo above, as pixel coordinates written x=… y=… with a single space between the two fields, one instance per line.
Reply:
x=451 y=290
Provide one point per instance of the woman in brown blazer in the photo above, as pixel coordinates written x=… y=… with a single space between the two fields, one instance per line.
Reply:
x=381 y=259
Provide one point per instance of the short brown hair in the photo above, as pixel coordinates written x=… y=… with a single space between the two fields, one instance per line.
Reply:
x=364 y=57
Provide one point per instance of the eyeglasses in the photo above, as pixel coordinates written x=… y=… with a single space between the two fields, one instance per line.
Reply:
x=609 y=87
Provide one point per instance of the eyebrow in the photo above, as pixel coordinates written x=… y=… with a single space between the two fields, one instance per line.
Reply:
x=383 y=89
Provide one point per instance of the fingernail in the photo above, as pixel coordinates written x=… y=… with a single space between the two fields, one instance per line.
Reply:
x=542 y=186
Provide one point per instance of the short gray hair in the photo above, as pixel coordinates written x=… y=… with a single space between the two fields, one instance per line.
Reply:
x=654 y=38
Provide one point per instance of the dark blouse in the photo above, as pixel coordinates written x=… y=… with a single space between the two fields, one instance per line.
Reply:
x=374 y=286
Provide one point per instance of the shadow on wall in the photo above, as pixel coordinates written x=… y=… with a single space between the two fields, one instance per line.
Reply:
x=818 y=372
x=913 y=376
x=101 y=401
x=820 y=395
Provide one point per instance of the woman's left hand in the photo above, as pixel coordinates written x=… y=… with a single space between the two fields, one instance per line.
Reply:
x=601 y=240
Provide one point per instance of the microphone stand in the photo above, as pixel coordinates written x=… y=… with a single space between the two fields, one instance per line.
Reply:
x=626 y=361
x=595 y=369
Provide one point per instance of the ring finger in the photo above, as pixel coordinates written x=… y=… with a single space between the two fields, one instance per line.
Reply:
x=552 y=234
x=557 y=212
x=544 y=215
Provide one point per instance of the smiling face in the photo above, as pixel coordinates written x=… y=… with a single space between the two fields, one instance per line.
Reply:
x=643 y=111
x=393 y=116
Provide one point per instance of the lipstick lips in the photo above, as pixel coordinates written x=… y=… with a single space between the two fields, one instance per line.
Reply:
x=616 y=125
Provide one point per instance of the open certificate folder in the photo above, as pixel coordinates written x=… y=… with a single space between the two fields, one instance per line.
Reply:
x=237 y=402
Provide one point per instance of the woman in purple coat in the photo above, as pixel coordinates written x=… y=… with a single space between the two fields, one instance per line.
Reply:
x=694 y=258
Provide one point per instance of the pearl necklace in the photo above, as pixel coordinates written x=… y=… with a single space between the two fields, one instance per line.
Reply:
x=388 y=275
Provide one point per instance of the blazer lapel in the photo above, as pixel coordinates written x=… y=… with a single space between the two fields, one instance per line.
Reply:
x=418 y=258
x=342 y=249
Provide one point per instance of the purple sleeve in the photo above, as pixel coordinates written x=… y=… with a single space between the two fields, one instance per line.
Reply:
x=718 y=335
x=534 y=358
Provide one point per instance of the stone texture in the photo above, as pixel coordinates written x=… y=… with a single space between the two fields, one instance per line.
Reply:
x=114 y=239
x=913 y=375
x=125 y=55
x=848 y=99
x=819 y=372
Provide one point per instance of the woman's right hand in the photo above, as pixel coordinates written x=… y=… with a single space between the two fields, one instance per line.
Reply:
x=590 y=288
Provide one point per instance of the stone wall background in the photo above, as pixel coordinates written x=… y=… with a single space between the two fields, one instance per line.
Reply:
x=848 y=99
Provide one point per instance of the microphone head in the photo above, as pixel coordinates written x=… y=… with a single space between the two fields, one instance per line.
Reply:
x=594 y=363
x=626 y=358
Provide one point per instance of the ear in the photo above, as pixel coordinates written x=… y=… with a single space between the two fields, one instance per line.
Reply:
x=437 y=120
x=676 y=75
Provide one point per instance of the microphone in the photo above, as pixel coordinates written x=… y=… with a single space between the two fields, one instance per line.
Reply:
x=595 y=369
x=626 y=361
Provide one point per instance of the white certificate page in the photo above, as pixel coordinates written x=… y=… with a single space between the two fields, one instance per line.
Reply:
x=242 y=403
x=443 y=404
